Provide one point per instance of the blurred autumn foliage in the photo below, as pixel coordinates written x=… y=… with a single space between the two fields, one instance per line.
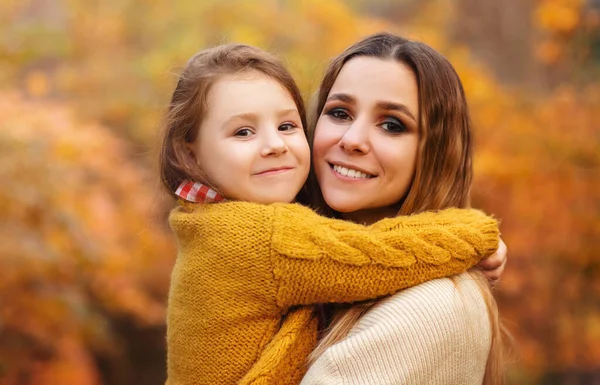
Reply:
x=80 y=258
x=85 y=253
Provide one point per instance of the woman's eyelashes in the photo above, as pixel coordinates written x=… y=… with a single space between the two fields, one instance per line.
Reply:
x=393 y=126
x=338 y=113
x=390 y=124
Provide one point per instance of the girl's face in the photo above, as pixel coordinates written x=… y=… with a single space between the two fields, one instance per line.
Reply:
x=251 y=144
x=366 y=139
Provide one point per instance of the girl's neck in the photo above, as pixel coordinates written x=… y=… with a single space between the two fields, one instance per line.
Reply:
x=370 y=216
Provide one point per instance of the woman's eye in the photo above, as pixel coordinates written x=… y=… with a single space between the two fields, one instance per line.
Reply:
x=287 y=127
x=243 y=133
x=394 y=126
x=339 y=114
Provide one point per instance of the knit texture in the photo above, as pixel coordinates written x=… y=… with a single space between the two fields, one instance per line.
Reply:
x=244 y=268
x=435 y=333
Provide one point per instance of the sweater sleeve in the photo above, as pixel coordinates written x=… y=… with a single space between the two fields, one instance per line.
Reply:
x=320 y=260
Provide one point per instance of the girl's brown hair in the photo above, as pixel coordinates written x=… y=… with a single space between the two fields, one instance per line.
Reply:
x=443 y=171
x=189 y=103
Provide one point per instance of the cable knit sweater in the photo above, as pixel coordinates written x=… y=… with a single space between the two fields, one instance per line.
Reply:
x=244 y=271
x=435 y=333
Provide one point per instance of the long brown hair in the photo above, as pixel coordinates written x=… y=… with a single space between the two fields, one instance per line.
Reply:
x=443 y=171
x=189 y=103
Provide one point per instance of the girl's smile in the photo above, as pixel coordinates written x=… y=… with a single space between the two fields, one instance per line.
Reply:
x=274 y=171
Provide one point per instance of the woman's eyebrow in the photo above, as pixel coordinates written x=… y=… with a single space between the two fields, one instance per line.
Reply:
x=342 y=98
x=389 y=106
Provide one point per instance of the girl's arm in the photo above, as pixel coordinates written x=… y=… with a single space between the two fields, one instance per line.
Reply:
x=308 y=259
x=494 y=265
x=319 y=260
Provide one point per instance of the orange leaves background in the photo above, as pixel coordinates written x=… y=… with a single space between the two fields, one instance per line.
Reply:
x=85 y=251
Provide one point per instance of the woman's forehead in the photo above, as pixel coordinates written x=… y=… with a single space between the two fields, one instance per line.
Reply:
x=373 y=81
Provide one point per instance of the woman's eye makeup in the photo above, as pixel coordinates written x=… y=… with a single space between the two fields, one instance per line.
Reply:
x=338 y=113
x=393 y=126
x=390 y=124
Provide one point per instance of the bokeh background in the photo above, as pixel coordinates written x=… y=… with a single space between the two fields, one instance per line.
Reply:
x=85 y=251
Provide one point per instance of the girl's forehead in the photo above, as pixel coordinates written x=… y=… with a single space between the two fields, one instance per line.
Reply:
x=245 y=95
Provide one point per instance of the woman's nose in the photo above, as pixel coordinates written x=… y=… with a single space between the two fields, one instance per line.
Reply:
x=355 y=139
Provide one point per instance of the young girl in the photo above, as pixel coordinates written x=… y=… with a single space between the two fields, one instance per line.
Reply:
x=247 y=274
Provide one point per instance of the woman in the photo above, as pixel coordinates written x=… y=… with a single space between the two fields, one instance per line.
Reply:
x=395 y=110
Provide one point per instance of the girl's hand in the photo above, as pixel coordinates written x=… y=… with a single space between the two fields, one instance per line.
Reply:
x=493 y=266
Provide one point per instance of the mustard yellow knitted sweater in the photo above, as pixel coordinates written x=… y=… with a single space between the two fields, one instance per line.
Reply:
x=246 y=274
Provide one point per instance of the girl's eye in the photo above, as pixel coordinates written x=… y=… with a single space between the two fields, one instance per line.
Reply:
x=394 y=126
x=243 y=133
x=339 y=114
x=287 y=127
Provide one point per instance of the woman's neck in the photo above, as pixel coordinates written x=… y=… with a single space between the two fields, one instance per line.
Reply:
x=370 y=216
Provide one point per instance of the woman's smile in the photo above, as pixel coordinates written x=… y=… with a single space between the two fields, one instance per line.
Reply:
x=347 y=172
x=366 y=138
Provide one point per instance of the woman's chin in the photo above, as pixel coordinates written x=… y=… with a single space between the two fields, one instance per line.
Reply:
x=344 y=206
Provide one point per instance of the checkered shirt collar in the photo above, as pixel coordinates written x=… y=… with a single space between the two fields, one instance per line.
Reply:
x=196 y=192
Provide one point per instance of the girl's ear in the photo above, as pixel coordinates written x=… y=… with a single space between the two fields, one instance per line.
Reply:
x=190 y=152
x=186 y=155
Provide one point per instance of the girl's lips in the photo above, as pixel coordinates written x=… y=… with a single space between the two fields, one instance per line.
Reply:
x=274 y=171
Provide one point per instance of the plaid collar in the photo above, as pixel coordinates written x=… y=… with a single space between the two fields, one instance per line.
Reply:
x=197 y=193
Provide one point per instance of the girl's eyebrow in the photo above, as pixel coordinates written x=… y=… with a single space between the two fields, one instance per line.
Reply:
x=244 y=116
x=282 y=113
x=254 y=117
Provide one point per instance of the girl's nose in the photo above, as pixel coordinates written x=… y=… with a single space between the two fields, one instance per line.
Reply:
x=274 y=145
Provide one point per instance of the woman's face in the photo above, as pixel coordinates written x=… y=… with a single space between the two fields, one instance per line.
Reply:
x=366 y=138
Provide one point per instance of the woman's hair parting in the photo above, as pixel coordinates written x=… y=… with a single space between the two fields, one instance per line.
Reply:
x=189 y=104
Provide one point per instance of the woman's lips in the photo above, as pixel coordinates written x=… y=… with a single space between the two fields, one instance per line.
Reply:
x=349 y=172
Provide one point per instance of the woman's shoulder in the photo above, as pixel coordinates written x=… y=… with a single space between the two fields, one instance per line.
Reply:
x=436 y=332
x=441 y=302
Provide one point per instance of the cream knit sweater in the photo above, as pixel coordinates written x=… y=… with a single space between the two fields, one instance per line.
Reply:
x=435 y=333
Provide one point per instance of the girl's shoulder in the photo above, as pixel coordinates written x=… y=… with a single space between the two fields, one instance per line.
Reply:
x=237 y=213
